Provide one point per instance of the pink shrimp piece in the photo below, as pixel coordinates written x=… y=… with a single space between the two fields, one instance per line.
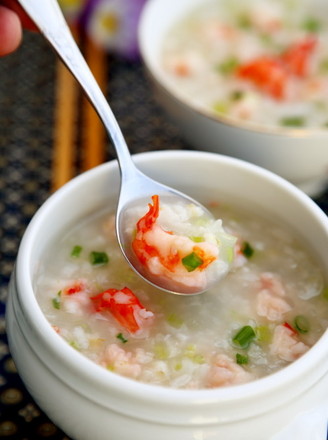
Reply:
x=78 y=286
x=125 y=308
x=270 y=303
x=121 y=361
x=75 y=298
x=225 y=371
x=286 y=344
x=272 y=283
x=270 y=306
x=162 y=252
x=297 y=57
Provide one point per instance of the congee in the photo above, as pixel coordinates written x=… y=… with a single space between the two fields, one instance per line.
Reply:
x=263 y=62
x=268 y=310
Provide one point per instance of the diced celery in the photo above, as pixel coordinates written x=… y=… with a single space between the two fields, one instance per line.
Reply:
x=161 y=351
x=174 y=320
x=263 y=334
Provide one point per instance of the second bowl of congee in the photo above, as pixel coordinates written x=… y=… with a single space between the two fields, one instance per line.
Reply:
x=118 y=341
x=247 y=79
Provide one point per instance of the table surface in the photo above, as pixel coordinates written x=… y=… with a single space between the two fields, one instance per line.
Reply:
x=27 y=89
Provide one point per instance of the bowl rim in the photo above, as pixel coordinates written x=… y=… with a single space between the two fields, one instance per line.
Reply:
x=104 y=379
x=158 y=75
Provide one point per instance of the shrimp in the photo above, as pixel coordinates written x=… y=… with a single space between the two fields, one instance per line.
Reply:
x=270 y=303
x=286 y=344
x=75 y=298
x=121 y=361
x=225 y=371
x=271 y=74
x=271 y=306
x=126 y=308
x=171 y=256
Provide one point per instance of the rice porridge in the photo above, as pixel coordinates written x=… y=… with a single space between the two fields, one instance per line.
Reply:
x=264 y=62
x=267 y=312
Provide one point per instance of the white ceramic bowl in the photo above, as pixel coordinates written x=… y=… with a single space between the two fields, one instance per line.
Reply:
x=90 y=402
x=299 y=155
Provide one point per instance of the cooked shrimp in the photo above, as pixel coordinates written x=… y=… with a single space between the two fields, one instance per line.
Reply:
x=269 y=302
x=75 y=298
x=272 y=283
x=121 y=361
x=225 y=371
x=286 y=344
x=125 y=308
x=271 y=306
x=174 y=257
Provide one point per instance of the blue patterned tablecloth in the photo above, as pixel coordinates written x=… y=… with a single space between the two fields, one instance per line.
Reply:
x=27 y=83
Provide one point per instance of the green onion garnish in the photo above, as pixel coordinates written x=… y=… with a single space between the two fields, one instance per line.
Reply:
x=161 y=351
x=241 y=359
x=244 y=21
x=301 y=324
x=228 y=66
x=56 y=302
x=263 y=334
x=237 y=95
x=98 y=258
x=244 y=337
x=312 y=25
x=192 y=261
x=121 y=338
x=292 y=121
x=174 y=320
x=247 y=249
x=221 y=107
x=197 y=239
x=76 y=251
x=323 y=66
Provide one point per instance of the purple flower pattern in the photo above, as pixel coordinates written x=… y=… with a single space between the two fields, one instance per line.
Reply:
x=111 y=24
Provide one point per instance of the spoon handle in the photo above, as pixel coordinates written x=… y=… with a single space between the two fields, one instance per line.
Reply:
x=49 y=18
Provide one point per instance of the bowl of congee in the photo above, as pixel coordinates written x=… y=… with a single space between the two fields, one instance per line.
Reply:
x=245 y=79
x=107 y=355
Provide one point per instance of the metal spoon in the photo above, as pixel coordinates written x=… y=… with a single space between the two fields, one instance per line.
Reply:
x=135 y=186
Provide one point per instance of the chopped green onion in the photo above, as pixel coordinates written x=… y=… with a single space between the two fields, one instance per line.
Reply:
x=174 y=320
x=75 y=345
x=98 y=258
x=121 y=338
x=263 y=334
x=244 y=21
x=237 y=95
x=76 y=251
x=301 y=324
x=191 y=354
x=323 y=67
x=228 y=66
x=241 y=359
x=197 y=239
x=292 y=121
x=178 y=366
x=161 y=351
x=192 y=261
x=247 y=249
x=244 y=337
x=312 y=25
x=221 y=107
x=56 y=302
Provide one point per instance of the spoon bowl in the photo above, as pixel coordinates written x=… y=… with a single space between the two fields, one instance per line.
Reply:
x=136 y=187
